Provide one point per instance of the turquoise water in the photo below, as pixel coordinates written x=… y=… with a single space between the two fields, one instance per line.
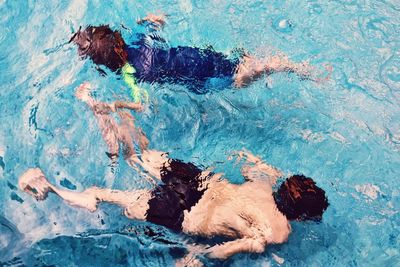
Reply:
x=344 y=133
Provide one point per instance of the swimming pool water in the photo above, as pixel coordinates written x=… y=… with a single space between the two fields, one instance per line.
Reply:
x=345 y=133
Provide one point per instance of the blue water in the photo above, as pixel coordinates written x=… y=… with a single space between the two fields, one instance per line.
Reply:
x=344 y=133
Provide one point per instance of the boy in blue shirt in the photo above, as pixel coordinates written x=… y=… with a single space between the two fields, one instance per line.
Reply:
x=150 y=60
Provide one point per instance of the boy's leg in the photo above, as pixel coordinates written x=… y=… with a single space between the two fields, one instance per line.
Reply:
x=249 y=70
x=34 y=182
x=253 y=68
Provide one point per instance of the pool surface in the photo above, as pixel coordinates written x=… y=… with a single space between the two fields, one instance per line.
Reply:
x=345 y=133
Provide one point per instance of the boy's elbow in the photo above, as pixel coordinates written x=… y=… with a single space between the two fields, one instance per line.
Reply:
x=257 y=246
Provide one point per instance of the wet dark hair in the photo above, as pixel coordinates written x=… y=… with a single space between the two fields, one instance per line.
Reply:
x=103 y=45
x=298 y=198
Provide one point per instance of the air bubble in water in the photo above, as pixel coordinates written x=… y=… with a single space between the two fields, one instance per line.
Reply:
x=283 y=25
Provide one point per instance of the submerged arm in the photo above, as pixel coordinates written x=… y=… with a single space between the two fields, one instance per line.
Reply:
x=227 y=249
x=257 y=168
x=158 y=21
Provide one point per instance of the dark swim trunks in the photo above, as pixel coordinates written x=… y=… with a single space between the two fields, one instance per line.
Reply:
x=182 y=189
x=189 y=65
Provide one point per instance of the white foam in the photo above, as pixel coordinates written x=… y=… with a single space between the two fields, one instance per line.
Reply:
x=186 y=6
x=310 y=136
x=338 y=137
x=369 y=190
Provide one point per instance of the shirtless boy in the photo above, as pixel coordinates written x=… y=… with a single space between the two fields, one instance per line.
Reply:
x=188 y=199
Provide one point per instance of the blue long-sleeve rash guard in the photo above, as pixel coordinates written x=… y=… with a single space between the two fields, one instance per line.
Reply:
x=190 y=65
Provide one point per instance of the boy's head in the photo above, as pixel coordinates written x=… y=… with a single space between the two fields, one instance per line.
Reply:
x=103 y=45
x=298 y=198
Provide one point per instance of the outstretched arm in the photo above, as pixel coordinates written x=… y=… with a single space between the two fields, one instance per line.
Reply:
x=35 y=183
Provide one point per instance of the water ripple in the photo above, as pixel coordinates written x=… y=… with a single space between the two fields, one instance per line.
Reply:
x=390 y=72
x=378 y=29
x=342 y=133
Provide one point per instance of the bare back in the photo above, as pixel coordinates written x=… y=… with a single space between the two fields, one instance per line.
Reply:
x=238 y=211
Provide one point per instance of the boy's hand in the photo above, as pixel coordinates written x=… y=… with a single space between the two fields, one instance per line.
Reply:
x=157 y=20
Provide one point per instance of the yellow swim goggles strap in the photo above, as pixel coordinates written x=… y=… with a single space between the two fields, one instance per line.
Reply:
x=138 y=94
